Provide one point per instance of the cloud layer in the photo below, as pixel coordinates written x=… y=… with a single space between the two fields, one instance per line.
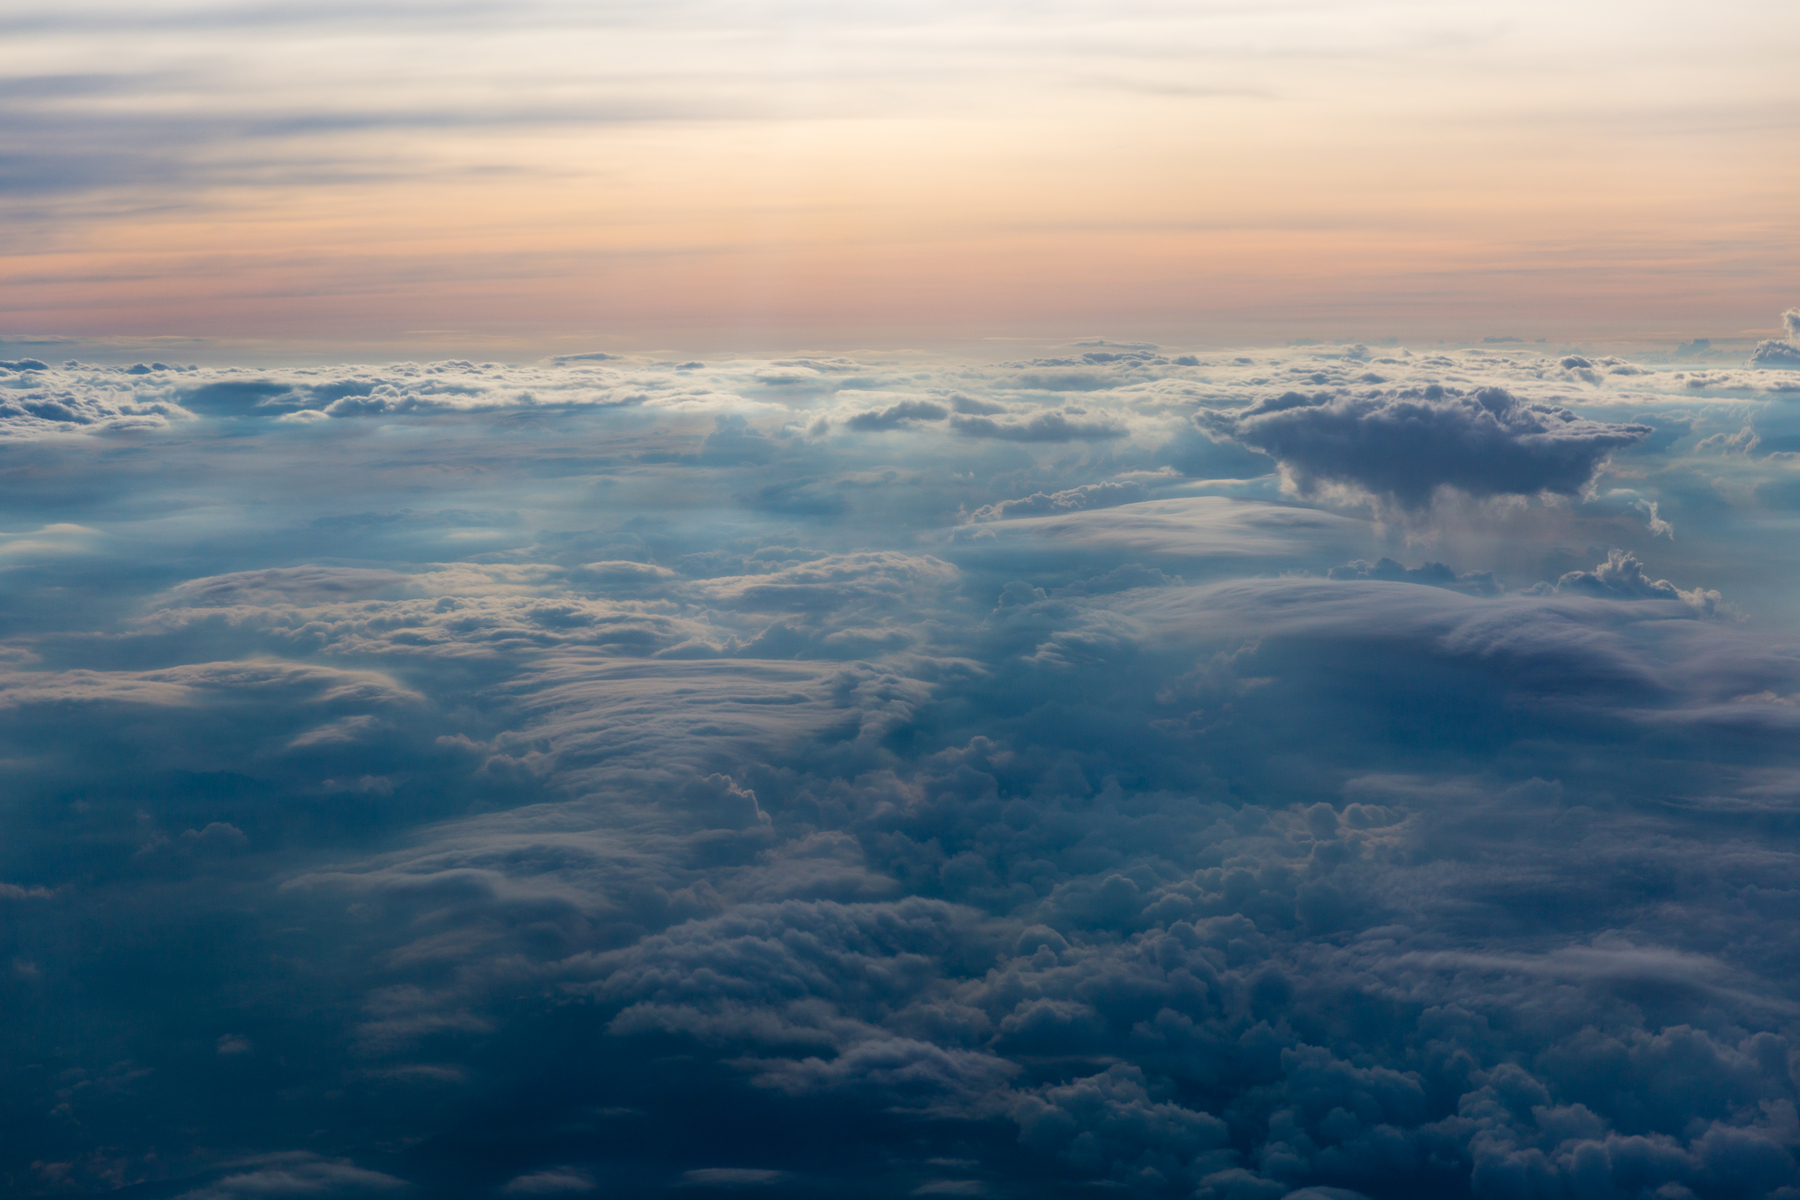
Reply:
x=874 y=776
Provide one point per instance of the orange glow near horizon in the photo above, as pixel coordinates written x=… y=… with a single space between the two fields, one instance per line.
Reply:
x=1353 y=170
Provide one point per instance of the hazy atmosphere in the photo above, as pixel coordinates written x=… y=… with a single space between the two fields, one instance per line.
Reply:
x=436 y=179
x=797 y=600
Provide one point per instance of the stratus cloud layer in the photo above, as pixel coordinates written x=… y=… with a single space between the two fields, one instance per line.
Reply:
x=1309 y=773
x=684 y=173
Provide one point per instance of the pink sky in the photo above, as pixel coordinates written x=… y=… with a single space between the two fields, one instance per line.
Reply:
x=532 y=178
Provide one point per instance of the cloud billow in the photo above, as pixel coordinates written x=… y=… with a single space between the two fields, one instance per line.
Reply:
x=1781 y=353
x=1404 y=446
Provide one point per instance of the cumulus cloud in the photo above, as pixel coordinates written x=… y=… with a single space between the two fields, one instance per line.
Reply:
x=1622 y=577
x=1404 y=446
x=590 y=752
x=1780 y=353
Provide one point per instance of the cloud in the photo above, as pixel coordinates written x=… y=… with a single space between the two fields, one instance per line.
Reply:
x=1039 y=504
x=262 y=679
x=973 y=406
x=1431 y=574
x=1044 y=427
x=1195 y=527
x=898 y=415
x=1622 y=577
x=730 y=1176
x=289 y=585
x=1780 y=353
x=299 y=1174
x=1404 y=446
x=831 y=582
x=555 y=1182
x=1771 y=354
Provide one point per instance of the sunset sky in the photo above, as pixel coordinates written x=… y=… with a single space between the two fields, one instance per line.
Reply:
x=526 y=178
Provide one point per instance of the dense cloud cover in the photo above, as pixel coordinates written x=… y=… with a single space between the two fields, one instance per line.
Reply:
x=1297 y=774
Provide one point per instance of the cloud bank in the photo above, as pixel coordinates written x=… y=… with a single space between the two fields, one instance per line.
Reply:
x=831 y=776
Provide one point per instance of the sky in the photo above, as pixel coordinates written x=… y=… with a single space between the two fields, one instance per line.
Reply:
x=423 y=180
x=729 y=600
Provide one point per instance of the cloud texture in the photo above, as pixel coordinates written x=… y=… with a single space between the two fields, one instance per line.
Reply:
x=883 y=777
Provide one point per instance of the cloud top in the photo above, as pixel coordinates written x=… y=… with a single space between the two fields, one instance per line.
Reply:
x=1780 y=353
x=1403 y=447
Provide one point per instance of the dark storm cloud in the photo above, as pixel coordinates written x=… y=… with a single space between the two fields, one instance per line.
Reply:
x=607 y=777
